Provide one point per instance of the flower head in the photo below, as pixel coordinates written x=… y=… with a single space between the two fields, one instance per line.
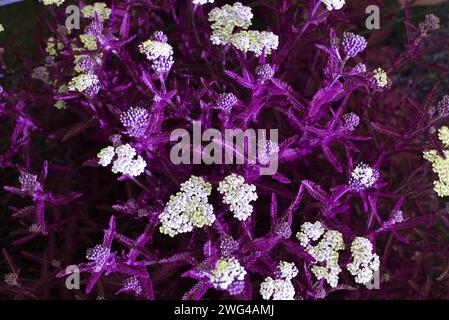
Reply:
x=264 y=72
x=132 y=284
x=226 y=101
x=60 y=104
x=159 y=52
x=28 y=183
x=159 y=36
x=99 y=255
x=442 y=108
x=126 y=163
x=255 y=41
x=89 y=41
x=227 y=246
x=350 y=121
x=226 y=18
x=286 y=270
x=353 y=44
x=226 y=272
x=155 y=49
x=431 y=23
x=333 y=4
x=360 y=68
x=309 y=232
x=283 y=230
x=238 y=195
x=85 y=83
x=136 y=121
x=105 y=156
x=325 y=252
x=52 y=2
x=364 y=262
x=380 y=78
x=11 y=279
x=99 y=8
x=53 y=46
x=280 y=288
x=443 y=135
x=440 y=165
x=86 y=63
x=2 y=28
x=363 y=177
x=201 y=2
x=187 y=209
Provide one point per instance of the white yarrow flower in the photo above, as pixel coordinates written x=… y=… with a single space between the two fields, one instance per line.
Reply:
x=364 y=262
x=201 y=2
x=363 y=177
x=325 y=252
x=187 y=209
x=333 y=4
x=52 y=2
x=155 y=49
x=238 y=195
x=105 y=156
x=226 y=272
x=126 y=161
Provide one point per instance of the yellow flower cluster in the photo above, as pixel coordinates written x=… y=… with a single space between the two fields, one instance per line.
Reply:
x=89 y=41
x=100 y=8
x=440 y=165
x=52 y=2
x=53 y=48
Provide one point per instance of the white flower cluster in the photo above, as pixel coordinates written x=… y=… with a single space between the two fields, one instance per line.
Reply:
x=286 y=270
x=52 y=2
x=53 y=46
x=227 y=18
x=201 y=2
x=2 y=28
x=364 y=263
x=85 y=83
x=155 y=49
x=380 y=77
x=363 y=177
x=11 y=279
x=280 y=288
x=325 y=252
x=334 y=4
x=125 y=163
x=440 y=164
x=226 y=272
x=158 y=51
x=132 y=284
x=255 y=41
x=187 y=209
x=238 y=195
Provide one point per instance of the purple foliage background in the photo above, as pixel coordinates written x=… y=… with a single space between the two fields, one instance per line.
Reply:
x=77 y=204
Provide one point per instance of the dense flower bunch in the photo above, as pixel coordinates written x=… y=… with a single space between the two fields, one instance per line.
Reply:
x=188 y=208
x=440 y=163
x=325 y=252
x=280 y=288
x=362 y=176
x=238 y=195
